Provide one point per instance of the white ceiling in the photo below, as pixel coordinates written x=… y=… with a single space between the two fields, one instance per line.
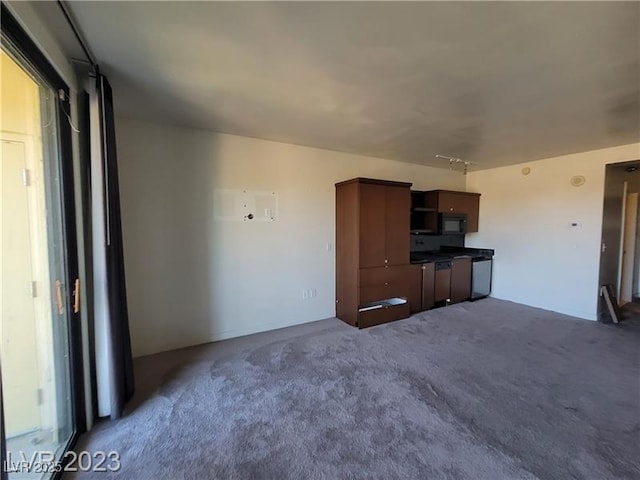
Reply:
x=493 y=83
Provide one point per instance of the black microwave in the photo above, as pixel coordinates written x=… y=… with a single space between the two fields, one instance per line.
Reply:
x=452 y=224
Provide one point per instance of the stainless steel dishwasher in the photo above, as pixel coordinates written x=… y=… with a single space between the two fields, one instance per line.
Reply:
x=481 y=268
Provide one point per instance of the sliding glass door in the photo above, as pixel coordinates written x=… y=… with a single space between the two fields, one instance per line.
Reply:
x=39 y=300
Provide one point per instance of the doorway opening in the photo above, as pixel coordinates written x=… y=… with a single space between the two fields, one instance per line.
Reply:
x=620 y=248
x=37 y=284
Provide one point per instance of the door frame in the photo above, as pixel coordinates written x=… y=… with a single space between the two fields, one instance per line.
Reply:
x=623 y=227
x=38 y=246
x=628 y=250
x=17 y=37
x=616 y=187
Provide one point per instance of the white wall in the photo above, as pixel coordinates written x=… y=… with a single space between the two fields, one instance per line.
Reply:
x=191 y=279
x=540 y=260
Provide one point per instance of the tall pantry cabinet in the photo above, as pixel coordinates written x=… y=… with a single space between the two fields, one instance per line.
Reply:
x=372 y=251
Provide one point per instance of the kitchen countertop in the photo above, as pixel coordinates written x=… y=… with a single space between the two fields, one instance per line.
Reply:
x=429 y=257
x=449 y=253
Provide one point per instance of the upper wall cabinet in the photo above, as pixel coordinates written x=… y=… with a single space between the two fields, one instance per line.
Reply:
x=384 y=221
x=446 y=201
x=371 y=203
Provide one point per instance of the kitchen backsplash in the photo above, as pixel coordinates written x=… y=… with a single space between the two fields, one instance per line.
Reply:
x=423 y=243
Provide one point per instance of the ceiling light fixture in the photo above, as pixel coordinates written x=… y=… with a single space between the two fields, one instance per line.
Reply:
x=457 y=160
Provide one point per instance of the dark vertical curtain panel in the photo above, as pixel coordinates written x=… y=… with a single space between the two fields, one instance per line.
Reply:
x=119 y=341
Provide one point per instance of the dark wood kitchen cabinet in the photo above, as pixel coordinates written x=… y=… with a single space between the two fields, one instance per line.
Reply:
x=373 y=225
x=372 y=251
x=460 y=279
x=428 y=285
x=422 y=287
x=415 y=288
x=453 y=282
x=384 y=225
x=447 y=201
x=384 y=282
x=442 y=285
x=397 y=213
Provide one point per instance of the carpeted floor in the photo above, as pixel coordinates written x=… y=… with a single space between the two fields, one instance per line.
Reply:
x=484 y=390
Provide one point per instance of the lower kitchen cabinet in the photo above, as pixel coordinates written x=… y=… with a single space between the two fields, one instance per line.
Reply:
x=431 y=283
x=428 y=285
x=442 y=281
x=442 y=287
x=415 y=288
x=384 y=314
x=422 y=287
x=422 y=284
x=384 y=294
x=383 y=283
x=460 y=279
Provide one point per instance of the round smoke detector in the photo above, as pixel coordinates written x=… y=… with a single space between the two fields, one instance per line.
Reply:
x=577 y=180
x=526 y=170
